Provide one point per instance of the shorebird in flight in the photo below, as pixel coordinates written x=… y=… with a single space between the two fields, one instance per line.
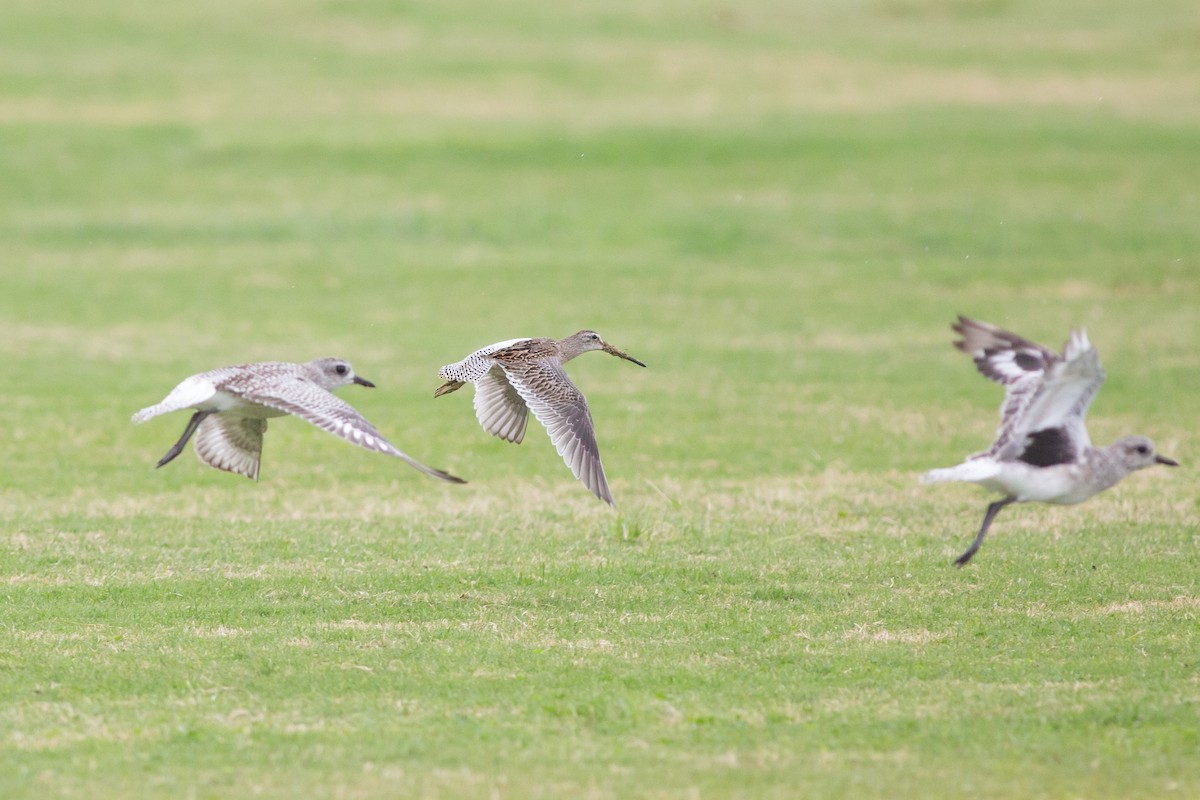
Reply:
x=519 y=375
x=1042 y=451
x=233 y=404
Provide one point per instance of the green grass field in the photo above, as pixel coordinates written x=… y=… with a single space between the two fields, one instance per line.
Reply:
x=779 y=208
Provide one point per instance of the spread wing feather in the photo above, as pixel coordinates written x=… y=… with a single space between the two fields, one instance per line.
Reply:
x=329 y=412
x=499 y=406
x=562 y=409
x=229 y=443
x=1043 y=390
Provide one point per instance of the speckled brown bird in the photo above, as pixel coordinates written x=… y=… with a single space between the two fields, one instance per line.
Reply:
x=518 y=375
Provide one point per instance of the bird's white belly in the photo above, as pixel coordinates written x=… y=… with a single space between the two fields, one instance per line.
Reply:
x=1056 y=484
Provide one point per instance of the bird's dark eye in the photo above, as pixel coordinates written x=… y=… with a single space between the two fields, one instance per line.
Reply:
x=1142 y=450
x=341 y=369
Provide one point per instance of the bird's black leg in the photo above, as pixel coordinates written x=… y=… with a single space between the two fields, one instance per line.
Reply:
x=992 y=511
x=177 y=448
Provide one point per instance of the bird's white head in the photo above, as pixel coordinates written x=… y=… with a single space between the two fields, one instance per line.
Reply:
x=333 y=373
x=1137 y=452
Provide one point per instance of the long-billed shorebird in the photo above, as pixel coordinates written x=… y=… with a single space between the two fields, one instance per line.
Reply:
x=1042 y=451
x=517 y=375
x=233 y=404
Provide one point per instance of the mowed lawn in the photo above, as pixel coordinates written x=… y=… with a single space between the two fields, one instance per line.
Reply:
x=779 y=207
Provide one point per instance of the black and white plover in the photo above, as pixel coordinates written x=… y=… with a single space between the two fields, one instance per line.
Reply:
x=1042 y=451
x=518 y=375
x=233 y=404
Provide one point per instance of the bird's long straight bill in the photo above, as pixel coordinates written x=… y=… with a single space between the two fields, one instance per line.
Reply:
x=608 y=348
x=1170 y=462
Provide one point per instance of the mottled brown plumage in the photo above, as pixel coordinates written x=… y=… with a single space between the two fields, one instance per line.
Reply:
x=518 y=375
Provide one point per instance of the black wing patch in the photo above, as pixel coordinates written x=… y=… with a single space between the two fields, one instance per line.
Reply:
x=1030 y=362
x=1048 y=447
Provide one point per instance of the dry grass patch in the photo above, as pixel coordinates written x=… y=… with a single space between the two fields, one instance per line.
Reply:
x=1187 y=605
x=876 y=632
